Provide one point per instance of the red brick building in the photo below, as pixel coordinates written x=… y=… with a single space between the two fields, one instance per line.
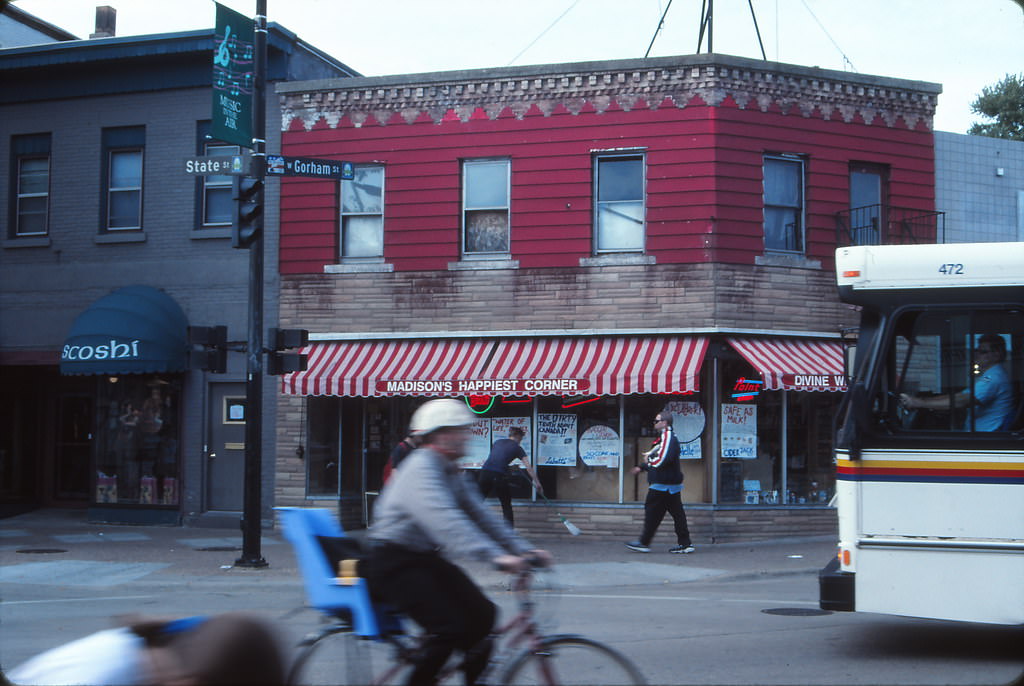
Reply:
x=574 y=248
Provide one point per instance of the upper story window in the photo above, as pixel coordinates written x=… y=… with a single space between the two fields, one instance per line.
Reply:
x=619 y=203
x=784 y=204
x=485 y=207
x=218 y=205
x=123 y=157
x=30 y=209
x=362 y=213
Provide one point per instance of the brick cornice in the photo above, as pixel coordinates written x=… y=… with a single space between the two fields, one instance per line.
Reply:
x=629 y=84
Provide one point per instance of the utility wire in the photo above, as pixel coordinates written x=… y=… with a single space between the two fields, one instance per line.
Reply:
x=576 y=2
x=661 y=22
x=845 y=58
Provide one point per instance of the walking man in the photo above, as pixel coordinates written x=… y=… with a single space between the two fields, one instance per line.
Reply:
x=665 y=479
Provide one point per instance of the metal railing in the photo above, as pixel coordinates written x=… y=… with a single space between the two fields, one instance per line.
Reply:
x=883 y=225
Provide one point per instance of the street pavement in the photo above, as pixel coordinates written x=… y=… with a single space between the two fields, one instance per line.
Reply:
x=51 y=546
x=62 y=577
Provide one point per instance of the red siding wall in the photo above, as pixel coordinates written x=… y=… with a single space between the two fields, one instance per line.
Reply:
x=704 y=192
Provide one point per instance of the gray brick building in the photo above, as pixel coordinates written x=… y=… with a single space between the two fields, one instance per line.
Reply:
x=95 y=198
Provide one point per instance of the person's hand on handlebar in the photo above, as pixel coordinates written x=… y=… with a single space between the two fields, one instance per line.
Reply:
x=517 y=564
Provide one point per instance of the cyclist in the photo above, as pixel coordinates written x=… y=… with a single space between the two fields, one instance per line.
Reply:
x=426 y=513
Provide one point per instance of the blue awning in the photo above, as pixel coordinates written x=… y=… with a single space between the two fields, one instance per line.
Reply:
x=134 y=330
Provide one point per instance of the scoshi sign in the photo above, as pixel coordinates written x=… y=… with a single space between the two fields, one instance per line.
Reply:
x=114 y=350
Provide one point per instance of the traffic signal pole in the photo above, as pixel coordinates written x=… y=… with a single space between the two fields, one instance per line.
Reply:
x=252 y=497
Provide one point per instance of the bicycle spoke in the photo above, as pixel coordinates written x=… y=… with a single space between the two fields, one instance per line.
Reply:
x=571 y=660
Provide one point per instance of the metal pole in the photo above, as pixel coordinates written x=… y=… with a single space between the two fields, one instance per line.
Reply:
x=252 y=499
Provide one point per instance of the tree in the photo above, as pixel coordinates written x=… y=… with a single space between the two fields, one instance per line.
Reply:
x=1004 y=103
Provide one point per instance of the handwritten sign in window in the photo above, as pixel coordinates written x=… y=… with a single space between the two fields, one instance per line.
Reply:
x=739 y=431
x=556 y=440
x=600 y=447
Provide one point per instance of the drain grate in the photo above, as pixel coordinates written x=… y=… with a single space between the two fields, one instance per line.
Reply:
x=41 y=551
x=796 y=612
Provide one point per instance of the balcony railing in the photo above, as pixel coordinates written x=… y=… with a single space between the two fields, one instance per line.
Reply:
x=882 y=225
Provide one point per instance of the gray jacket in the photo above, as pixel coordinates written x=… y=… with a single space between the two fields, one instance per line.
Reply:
x=428 y=505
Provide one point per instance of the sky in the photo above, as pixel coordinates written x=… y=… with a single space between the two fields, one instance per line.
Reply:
x=964 y=45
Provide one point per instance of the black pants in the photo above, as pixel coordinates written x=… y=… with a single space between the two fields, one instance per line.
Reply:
x=453 y=612
x=497 y=483
x=655 y=507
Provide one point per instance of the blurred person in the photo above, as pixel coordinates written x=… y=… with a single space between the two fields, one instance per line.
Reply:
x=220 y=650
x=494 y=476
x=429 y=511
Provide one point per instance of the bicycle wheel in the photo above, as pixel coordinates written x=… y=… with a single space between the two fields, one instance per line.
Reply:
x=571 y=660
x=335 y=658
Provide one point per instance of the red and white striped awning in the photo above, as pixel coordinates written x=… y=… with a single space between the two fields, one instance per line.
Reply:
x=514 y=367
x=794 y=365
x=604 y=365
x=383 y=368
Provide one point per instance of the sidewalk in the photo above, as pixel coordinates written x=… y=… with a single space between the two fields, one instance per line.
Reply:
x=60 y=547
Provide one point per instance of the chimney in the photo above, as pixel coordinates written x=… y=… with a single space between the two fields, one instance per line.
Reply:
x=106 y=22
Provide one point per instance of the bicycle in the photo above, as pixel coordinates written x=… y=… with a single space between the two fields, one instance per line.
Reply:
x=522 y=654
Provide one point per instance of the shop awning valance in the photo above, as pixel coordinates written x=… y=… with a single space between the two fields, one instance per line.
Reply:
x=794 y=365
x=134 y=330
x=603 y=365
x=386 y=368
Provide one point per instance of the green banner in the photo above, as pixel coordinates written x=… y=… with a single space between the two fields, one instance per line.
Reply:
x=233 y=77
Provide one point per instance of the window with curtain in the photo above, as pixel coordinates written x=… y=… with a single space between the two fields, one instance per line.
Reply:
x=784 y=204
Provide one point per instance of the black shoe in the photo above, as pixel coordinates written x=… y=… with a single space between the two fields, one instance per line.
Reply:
x=682 y=549
x=638 y=547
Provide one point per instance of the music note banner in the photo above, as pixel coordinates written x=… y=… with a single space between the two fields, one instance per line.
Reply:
x=233 y=77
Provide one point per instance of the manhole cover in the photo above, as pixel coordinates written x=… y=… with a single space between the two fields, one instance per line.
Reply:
x=219 y=549
x=41 y=551
x=796 y=611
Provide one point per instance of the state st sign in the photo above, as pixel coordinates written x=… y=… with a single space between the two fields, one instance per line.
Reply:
x=231 y=165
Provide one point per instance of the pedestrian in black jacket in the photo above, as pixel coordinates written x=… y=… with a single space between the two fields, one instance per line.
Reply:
x=665 y=479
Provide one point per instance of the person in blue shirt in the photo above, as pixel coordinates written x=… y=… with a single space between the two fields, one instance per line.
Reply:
x=494 y=477
x=990 y=407
x=665 y=479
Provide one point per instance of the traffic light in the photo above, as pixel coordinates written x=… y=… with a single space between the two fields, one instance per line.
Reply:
x=282 y=339
x=247 y=220
x=214 y=354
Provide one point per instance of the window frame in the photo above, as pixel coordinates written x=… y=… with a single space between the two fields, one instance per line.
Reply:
x=598 y=204
x=468 y=164
x=24 y=148
x=344 y=215
x=800 y=234
x=213 y=183
x=122 y=140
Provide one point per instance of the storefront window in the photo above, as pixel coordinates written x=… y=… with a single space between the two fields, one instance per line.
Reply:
x=138 y=441
x=776 y=446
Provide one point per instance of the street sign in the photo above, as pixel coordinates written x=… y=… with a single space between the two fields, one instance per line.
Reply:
x=279 y=165
x=233 y=77
x=233 y=165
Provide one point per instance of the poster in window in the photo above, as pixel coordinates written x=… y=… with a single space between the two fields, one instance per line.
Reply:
x=688 y=423
x=500 y=427
x=600 y=447
x=556 y=440
x=478 y=447
x=739 y=431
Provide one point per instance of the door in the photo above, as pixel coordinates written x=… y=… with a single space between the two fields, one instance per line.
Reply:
x=73 y=448
x=867 y=204
x=225 y=455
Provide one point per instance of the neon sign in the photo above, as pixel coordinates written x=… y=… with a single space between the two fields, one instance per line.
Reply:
x=745 y=389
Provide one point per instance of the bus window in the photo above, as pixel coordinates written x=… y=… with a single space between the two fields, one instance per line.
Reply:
x=955 y=369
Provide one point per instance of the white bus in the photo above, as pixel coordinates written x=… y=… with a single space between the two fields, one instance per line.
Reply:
x=929 y=444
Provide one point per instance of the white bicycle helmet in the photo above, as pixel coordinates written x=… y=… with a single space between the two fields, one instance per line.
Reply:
x=438 y=414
